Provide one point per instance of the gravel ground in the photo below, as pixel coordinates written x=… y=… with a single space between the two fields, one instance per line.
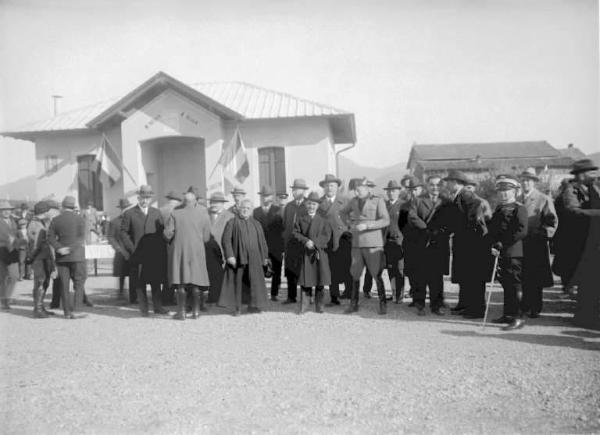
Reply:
x=277 y=372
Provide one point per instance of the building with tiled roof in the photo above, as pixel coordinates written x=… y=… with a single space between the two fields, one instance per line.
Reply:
x=172 y=135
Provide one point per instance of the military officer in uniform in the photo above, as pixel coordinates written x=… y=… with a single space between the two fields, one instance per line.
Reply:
x=393 y=238
x=366 y=215
x=507 y=229
x=541 y=225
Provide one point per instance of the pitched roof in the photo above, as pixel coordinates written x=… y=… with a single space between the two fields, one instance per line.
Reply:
x=492 y=150
x=573 y=152
x=233 y=100
x=496 y=164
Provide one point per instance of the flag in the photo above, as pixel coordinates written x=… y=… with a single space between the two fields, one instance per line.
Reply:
x=108 y=162
x=234 y=161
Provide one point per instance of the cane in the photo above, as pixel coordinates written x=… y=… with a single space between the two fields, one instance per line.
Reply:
x=489 y=293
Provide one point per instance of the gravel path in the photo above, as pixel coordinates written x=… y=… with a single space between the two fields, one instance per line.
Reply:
x=276 y=372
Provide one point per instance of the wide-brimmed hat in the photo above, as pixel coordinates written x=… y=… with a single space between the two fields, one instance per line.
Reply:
x=392 y=185
x=5 y=205
x=411 y=182
x=40 y=208
x=266 y=191
x=238 y=190
x=145 y=191
x=583 y=165
x=299 y=183
x=330 y=178
x=460 y=176
x=529 y=174
x=123 y=203
x=506 y=182
x=217 y=197
x=174 y=195
x=69 y=202
x=314 y=197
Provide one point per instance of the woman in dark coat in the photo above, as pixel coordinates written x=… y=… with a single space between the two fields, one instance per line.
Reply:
x=314 y=232
x=246 y=252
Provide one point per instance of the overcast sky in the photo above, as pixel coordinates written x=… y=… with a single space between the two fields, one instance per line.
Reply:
x=438 y=71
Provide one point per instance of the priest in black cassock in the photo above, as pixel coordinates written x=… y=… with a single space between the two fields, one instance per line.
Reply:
x=246 y=252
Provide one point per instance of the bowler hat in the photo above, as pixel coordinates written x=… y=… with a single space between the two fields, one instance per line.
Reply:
x=299 y=183
x=411 y=182
x=330 y=178
x=238 y=190
x=40 y=208
x=217 y=197
x=460 y=176
x=123 y=203
x=529 y=174
x=583 y=165
x=392 y=185
x=69 y=202
x=145 y=191
x=5 y=205
x=173 y=195
x=313 y=197
x=266 y=191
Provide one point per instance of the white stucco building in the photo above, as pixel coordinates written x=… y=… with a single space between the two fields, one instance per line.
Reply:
x=170 y=135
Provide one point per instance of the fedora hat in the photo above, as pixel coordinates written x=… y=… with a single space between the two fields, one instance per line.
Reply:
x=5 y=205
x=266 y=191
x=299 y=183
x=583 y=165
x=123 y=203
x=217 y=197
x=40 y=208
x=173 y=195
x=454 y=175
x=145 y=191
x=313 y=197
x=69 y=202
x=392 y=185
x=330 y=178
x=238 y=190
x=411 y=182
x=529 y=174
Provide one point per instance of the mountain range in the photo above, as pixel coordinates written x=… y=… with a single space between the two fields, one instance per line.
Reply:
x=349 y=169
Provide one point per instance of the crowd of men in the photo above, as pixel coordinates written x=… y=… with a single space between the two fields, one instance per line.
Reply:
x=191 y=253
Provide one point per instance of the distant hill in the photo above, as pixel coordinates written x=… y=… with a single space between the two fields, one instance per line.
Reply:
x=350 y=169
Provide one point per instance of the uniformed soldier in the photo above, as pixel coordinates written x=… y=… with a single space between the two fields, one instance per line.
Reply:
x=393 y=238
x=541 y=225
x=367 y=216
x=507 y=229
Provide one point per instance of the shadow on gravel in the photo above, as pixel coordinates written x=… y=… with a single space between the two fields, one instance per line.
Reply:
x=544 y=340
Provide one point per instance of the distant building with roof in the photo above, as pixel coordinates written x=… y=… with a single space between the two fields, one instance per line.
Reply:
x=481 y=160
x=573 y=152
x=171 y=135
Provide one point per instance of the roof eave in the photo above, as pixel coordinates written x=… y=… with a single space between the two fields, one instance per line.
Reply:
x=32 y=135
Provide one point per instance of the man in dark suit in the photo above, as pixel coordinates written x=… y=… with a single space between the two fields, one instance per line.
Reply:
x=294 y=250
x=66 y=235
x=340 y=254
x=270 y=219
x=120 y=263
x=141 y=232
x=392 y=239
x=429 y=215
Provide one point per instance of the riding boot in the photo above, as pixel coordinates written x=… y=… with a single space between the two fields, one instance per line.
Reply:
x=319 y=300
x=181 y=302
x=195 y=302
x=202 y=301
x=353 y=307
x=142 y=298
x=37 y=310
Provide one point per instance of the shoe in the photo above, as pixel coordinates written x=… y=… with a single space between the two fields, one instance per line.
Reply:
x=515 y=324
x=50 y=313
x=40 y=315
x=412 y=304
x=236 y=313
x=473 y=316
x=367 y=295
x=382 y=308
x=503 y=319
x=389 y=298
x=456 y=312
x=54 y=306
x=438 y=312
x=179 y=315
x=254 y=310
x=161 y=311
x=334 y=301
x=533 y=315
x=345 y=295
x=421 y=311
x=72 y=316
x=351 y=309
x=458 y=308
x=274 y=298
x=88 y=303
x=289 y=301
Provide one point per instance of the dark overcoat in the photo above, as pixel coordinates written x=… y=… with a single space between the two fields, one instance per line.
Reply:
x=120 y=260
x=214 y=254
x=293 y=249
x=187 y=230
x=68 y=230
x=340 y=254
x=250 y=262
x=142 y=236
x=314 y=270
x=272 y=224
x=393 y=237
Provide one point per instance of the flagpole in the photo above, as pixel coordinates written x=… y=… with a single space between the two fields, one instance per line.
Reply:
x=120 y=160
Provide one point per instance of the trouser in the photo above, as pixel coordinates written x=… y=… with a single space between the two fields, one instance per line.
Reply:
x=77 y=272
x=242 y=278
x=340 y=262
x=134 y=272
x=367 y=282
x=306 y=294
x=511 y=270
x=9 y=275
x=41 y=278
x=473 y=296
x=276 y=279
x=24 y=269
x=532 y=300
x=292 y=285
x=435 y=281
x=142 y=296
x=373 y=260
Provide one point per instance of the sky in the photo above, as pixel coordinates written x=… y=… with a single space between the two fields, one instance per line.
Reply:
x=412 y=71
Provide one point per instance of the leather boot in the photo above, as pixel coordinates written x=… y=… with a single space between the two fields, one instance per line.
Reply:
x=319 y=301
x=304 y=301
x=196 y=292
x=202 y=300
x=142 y=298
x=38 y=313
x=181 y=300
x=382 y=307
x=353 y=307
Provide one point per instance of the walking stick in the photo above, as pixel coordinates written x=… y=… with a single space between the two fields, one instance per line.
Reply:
x=489 y=293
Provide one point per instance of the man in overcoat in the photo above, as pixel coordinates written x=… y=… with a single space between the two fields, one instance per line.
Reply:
x=430 y=216
x=314 y=232
x=142 y=234
x=293 y=250
x=67 y=235
x=340 y=253
x=9 y=256
x=366 y=215
x=541 y=226
x=238 y=194
x=246 y=253
x=269 y=216
x=173 y=201
x=187 y=230
x=393 y=238
x=214 y=250
x=121 y=258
